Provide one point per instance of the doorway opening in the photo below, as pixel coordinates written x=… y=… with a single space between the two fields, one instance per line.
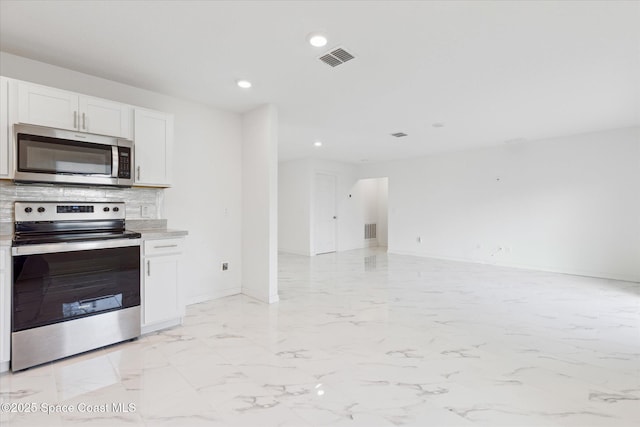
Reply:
x=348 y=215
x=374 y=211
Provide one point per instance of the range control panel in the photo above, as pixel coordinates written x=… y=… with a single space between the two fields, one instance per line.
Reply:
x=62 y=211
x=74 y=208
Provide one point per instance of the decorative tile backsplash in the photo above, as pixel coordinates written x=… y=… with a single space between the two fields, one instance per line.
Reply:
x=142 y=203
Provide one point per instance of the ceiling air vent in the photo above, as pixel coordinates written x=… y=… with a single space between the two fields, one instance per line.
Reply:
x=336 y=57
x=399 y=134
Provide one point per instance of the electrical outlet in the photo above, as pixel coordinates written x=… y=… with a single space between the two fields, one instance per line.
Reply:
x=225 y=266
x=145 y=211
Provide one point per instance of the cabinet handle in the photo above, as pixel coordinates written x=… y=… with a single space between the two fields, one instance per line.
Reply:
x=75 y=119
x=138 y=173
x=84 y=123
x=165 y=246
x=148 y=267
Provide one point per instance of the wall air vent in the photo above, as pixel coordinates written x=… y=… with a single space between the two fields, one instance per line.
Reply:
x=399 y=134
x=336 y=57
x=370 y=231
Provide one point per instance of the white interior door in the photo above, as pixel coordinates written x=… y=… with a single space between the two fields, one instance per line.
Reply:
x=325 y=213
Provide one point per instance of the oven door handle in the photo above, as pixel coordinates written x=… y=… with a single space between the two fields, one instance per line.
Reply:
x=48 y=248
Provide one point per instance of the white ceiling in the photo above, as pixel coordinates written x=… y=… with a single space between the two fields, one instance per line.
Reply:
x=491 y=71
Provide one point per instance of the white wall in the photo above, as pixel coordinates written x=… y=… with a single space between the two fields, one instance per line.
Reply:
x=260 y=204
x=368 y=192
x=568 y=204
x=383 y=210
x=294 y=204
x=206 y=195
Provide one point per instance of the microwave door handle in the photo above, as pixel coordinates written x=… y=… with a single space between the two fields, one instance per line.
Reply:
x=115 y=161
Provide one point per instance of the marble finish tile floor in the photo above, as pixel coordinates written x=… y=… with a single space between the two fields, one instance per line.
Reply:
x=362 y=338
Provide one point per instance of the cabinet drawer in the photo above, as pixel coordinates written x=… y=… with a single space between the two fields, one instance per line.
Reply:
x=163 y=246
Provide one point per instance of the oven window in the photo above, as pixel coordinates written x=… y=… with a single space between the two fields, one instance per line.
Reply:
x=51 y=155
x=52 y=288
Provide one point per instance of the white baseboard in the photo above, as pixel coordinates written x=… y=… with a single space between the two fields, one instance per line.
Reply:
x=260 y=296
x=221 y=293
x=596 y=274
x=294 y=252
x=162 y=325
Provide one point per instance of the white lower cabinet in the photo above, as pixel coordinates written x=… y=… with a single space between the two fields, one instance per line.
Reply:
x=162 y=300
x=5 y=307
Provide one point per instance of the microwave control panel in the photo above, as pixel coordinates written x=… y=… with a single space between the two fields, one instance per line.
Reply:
x=124 y=162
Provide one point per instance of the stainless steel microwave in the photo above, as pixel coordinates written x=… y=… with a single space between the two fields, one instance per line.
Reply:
x=67 y=157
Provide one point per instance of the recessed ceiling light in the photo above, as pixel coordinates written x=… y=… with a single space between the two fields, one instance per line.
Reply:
x=317 y=39
x=438 y=125
x=244 y=84
x=317 y=144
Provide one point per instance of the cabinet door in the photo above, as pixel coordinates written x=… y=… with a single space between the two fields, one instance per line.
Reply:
x=161 y=297
x=45 y=106
x=5 y=153
x=5 y=305
x=104 y=117
x=153 y=142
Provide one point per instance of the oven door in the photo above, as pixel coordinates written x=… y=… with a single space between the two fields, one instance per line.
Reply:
x=54 y=283
x=60 y=156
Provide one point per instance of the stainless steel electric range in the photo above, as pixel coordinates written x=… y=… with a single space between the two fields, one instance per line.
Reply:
x=76 y=280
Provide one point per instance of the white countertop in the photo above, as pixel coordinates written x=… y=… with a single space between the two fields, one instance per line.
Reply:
x=161 y=233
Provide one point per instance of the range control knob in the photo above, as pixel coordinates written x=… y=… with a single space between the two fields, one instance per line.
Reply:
x=28 y=210
x=116 y=209
x=106 y=209
x=40 y=209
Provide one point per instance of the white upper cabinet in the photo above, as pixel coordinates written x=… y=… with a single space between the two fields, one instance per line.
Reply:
x=30 y=103
x=104 y=117
x=5 y=147
x=153 y=142
x=45 y=106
